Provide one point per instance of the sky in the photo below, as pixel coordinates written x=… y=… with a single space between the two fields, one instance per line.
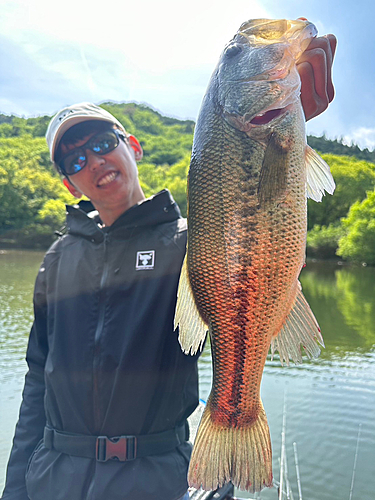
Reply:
x=162 y=53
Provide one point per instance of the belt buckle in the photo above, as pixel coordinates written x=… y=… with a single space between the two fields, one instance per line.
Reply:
x=122 y=448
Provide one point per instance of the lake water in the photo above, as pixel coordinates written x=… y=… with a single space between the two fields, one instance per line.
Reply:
x=329 y=402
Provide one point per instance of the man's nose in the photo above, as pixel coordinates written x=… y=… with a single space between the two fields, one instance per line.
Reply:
x=94 y=160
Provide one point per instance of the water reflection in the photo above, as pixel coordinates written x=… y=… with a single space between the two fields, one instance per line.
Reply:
x=327 y=398
x=330 y=397
x=341 y=297
x=356 y=301
x=18 y=270
x=343 y=301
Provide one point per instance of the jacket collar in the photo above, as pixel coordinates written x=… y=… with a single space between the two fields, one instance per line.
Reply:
x=83 y=219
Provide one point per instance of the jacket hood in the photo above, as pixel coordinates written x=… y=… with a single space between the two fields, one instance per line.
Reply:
x=83 y=219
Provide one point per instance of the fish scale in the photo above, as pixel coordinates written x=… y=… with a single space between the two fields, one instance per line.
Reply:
x=246 y=245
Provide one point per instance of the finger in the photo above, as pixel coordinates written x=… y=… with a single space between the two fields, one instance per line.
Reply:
x=317 y=60
x=313 y=104
x=322 y=68
x=328 y=44
x=333 y=44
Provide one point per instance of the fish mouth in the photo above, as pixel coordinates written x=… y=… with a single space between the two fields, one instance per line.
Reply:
x=248 y=122
x=268 y=116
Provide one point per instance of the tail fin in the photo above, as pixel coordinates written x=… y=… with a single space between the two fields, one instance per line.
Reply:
x=240 y=455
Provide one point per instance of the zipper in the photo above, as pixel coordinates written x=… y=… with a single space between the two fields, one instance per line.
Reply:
x=98 y=333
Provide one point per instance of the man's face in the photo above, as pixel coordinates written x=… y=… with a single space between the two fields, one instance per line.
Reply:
x=110 y=181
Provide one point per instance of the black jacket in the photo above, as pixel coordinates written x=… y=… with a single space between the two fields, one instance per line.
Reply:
x=104 y=359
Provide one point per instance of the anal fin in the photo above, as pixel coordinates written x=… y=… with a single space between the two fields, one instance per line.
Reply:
x=299 y=329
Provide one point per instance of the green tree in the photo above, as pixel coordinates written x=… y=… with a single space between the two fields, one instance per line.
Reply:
x=337 y=147
x=358 y=244
x=6 y=130
x=52 y=213
x=177 y=182
x=155 y=178
x=26 y=186
x=322 y=241
x=353 y=179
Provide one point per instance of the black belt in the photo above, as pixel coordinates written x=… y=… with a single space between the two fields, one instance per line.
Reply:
x=122 y=448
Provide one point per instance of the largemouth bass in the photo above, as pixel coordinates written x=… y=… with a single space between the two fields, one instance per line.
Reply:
x=250 y=174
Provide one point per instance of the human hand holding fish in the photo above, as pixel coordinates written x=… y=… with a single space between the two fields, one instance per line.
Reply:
x=250 y=175
x=315 y=70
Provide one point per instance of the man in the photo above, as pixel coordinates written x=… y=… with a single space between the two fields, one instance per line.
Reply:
x=108 y=389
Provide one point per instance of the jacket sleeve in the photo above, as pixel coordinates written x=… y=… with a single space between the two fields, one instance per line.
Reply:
x=30 y=426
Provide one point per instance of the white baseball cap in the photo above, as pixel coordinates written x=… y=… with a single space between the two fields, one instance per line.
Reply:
x=72 y=115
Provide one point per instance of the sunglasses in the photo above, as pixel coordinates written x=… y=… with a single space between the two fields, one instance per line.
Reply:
x=100 y=144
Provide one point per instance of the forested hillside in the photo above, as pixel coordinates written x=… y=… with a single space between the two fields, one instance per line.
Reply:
x=32 y=197
x=337 y=147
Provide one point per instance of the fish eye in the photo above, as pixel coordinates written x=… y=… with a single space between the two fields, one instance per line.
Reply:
x=233 y=50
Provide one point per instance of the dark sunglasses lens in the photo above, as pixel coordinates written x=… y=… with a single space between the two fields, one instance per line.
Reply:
x=74 y=163
x=104 y=143
x=100 y=144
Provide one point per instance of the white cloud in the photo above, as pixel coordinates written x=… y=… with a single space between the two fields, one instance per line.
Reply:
x=155 y=53
x=363 y=136
x=157 y=35
x=163 y=54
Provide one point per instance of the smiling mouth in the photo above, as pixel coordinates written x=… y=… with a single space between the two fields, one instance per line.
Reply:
x=264 y=118
x=107 y=179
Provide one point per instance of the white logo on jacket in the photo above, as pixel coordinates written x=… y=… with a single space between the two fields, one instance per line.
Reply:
x=145 y=260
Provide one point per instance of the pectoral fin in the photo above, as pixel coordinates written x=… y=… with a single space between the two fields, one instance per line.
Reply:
x=273 y=175
x=319 y=177
x=192 y=329
x=300 y=328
